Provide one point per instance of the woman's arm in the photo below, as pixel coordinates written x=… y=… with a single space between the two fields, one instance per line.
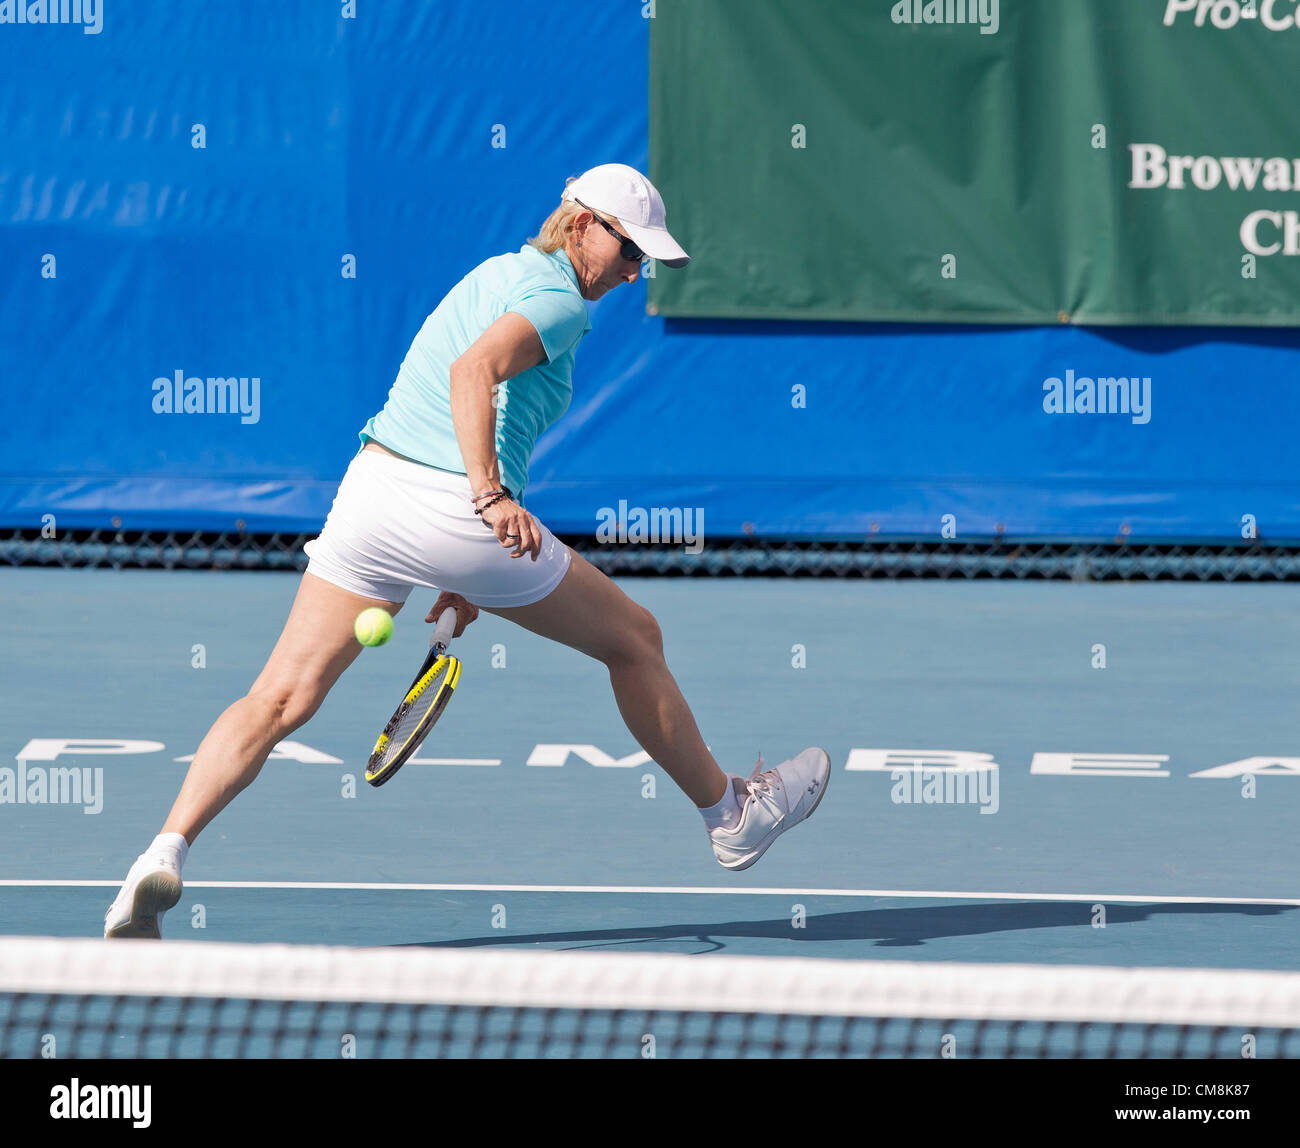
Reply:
x=507 y=348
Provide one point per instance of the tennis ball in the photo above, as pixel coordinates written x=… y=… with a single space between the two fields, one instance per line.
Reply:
x=374 y=626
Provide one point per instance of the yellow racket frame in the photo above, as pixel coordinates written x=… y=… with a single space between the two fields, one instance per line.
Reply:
x=379 y=770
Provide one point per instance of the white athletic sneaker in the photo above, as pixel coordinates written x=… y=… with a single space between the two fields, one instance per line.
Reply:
x=778 y=800
x=152 y=886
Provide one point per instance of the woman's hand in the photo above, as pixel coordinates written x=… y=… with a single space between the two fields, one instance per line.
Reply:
x=514 y=527
x=466 y=612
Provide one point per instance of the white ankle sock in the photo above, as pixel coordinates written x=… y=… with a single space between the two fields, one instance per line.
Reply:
x=173 y=843
x=727 y=811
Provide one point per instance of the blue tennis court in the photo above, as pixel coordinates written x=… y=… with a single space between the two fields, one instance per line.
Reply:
x=550 y=830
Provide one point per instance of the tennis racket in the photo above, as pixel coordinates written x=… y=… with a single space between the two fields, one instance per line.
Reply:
x=420 y=708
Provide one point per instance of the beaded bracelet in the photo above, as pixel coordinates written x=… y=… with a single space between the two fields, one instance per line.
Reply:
x=479 y=510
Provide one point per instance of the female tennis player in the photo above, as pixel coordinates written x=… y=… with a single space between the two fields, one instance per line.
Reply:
x=434 y=497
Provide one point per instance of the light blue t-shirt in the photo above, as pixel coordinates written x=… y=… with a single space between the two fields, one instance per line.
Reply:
x=416 y=420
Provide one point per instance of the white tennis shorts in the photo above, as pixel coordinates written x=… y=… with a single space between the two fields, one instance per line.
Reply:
x=397 y=524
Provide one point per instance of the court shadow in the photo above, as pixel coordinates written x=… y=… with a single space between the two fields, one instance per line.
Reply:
x=889 y=928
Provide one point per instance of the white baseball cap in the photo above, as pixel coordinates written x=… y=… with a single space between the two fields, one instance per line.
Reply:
x=624 y=193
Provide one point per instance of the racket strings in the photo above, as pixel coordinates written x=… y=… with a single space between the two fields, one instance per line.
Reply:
x=420 y=702
x=409 y=726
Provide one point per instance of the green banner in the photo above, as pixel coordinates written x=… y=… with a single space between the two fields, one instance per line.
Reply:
x=981 y=161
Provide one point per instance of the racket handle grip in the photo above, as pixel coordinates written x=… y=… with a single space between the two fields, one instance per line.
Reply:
x=446 y=626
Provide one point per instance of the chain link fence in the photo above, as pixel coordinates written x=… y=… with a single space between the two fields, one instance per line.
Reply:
x=1122 y=560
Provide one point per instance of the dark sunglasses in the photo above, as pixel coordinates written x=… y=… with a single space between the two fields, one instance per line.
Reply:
x=630 y=251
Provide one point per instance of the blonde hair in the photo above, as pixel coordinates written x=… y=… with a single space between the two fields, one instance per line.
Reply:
x=560 y=222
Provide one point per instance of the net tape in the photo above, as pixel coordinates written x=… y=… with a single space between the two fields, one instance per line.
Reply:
x=118 y=548
x=765 y=985
x=659 y=981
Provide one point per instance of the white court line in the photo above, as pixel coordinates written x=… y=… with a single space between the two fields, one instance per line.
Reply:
x=454 y=761
x=691 y=890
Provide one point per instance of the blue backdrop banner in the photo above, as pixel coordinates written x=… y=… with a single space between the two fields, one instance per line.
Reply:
x=270 y=198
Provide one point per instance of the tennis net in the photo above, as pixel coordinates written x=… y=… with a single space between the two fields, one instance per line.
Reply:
x=134 y=999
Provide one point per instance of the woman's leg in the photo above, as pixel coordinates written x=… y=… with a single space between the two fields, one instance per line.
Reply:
x=315 y=647
x=589 y=613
